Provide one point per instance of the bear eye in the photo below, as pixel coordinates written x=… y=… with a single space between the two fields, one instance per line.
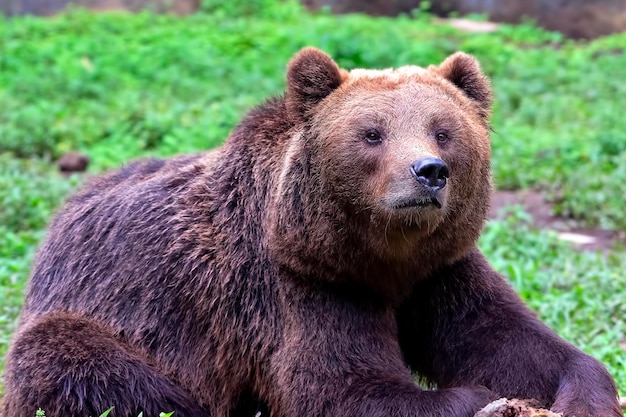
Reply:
x=373 y=137
x=441 y=137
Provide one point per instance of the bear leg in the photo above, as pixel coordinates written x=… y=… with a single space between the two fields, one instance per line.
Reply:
x=71 y=366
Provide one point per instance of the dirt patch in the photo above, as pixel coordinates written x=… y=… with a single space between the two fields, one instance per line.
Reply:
x=578 y=19
x=535 y=203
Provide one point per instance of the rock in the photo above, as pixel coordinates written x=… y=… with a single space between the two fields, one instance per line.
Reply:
x=73 y=162
x=471 y=25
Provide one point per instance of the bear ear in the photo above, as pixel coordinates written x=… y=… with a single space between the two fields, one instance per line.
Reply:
x=464 y=72
x=311 y=76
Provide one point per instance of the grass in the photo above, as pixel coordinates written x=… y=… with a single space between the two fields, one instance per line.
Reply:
x=119 y=86
x=578 y=294
x=42 y=413
x=30 y=190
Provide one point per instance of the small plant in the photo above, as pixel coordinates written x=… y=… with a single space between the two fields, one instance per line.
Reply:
x=106 y=413
x=41 y=413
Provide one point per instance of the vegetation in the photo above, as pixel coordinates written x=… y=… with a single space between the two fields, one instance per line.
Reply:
x=121 y=86
x=42 y=413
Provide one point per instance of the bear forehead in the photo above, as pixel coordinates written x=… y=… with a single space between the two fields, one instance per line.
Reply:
x=389 y=90
x=397 y=88
x=389 y=74
x=409 y=79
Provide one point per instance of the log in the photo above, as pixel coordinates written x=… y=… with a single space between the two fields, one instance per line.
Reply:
x=522 y=408
x=515 y=408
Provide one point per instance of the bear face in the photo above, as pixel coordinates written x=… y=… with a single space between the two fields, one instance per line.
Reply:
x=403 y=156
x=398 y=149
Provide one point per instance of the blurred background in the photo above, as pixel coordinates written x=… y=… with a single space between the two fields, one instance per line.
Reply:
x=88 y=86
x=574 y=18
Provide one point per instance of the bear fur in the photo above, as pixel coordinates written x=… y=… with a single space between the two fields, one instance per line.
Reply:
x=311 y=266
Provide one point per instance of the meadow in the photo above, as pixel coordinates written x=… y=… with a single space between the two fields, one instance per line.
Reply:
x=119 y=86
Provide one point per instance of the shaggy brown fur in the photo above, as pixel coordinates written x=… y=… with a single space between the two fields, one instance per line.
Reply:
x=307 y=266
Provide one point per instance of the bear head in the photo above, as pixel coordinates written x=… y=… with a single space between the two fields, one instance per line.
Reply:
x=387 y=172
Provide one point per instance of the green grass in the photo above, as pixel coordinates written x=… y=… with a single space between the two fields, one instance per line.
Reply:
x=42 y=413
x=120 y=86
x=30 y=190
x=580 y=295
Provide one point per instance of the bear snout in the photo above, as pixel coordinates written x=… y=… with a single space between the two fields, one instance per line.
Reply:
x=430 y=172
x=415 y=195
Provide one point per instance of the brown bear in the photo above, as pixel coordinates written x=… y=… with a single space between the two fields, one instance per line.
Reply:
x=316 y=262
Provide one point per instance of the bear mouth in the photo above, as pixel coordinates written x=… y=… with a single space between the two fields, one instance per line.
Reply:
x=412 y=203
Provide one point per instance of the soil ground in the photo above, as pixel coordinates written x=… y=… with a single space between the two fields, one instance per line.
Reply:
x=535 y=204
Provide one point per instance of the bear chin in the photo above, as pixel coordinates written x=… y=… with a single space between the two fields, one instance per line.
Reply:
x=417 y=218
x=421 y=213
x=417 y=203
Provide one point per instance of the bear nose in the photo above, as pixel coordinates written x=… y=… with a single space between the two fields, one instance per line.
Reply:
x=431 y=172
